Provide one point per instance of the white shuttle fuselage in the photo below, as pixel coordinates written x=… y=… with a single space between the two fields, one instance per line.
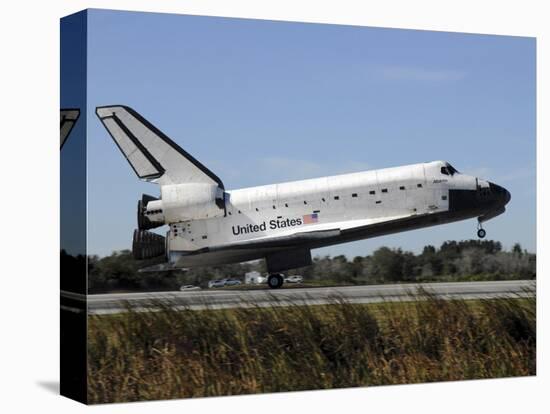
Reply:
x=320 y=204
x=210 y=225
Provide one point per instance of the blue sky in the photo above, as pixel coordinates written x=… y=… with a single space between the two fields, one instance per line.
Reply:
x=261 y=102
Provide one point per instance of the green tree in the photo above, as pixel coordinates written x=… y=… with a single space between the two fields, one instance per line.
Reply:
x=387 y=264
x=517 y=249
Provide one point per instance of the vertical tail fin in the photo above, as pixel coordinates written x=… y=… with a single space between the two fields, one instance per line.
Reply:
x=153 y=156
x=68 y=120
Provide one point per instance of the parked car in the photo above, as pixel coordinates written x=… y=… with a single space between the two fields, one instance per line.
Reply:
x=254 y=278
x=232 y=282
x=216 y=283
x=185 y=288
x=294 y=279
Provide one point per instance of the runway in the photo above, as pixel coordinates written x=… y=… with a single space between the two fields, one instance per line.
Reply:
x=220 y=298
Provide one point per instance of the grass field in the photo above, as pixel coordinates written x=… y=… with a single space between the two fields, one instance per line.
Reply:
x=184 y=353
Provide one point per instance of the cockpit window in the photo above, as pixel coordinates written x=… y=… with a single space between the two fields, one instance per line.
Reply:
x=452 y=170
x=448 y=169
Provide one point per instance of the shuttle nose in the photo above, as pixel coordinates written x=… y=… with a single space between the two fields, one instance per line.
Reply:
x=501 y=194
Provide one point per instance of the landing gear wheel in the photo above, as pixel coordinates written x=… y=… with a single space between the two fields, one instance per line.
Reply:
x=480 y=232
x=275 y=281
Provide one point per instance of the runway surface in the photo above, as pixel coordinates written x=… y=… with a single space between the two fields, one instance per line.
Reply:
x=220 y=298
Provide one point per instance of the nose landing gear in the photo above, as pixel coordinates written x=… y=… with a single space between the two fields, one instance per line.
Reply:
x=480 y=232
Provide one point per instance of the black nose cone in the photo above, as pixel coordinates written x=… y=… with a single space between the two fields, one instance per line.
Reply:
x=501 y=194
x=507 y=197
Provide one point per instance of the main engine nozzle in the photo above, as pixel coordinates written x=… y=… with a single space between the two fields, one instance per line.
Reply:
x=149 y=213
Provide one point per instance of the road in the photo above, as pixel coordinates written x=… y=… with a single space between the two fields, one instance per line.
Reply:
x=217 y=299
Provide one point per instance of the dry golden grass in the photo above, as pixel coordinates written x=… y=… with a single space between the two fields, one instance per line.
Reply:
x=187 y=353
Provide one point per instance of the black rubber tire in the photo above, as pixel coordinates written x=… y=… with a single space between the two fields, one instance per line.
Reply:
x=275 y=281
x=481 y=233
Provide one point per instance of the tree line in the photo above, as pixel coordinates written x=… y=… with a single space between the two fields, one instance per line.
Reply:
x=452 y=261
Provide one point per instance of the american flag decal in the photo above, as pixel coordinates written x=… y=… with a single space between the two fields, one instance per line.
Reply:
x=311 y=218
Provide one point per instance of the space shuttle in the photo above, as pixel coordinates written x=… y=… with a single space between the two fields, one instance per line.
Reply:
x=210 y=225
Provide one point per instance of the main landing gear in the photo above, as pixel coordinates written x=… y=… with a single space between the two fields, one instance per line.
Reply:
x=480 y=232
x=275 y=280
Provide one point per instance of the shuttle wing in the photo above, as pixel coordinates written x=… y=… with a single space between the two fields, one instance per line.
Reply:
x=305 y=237
x=153 y=156
x=264 y=244
x=286 y=241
